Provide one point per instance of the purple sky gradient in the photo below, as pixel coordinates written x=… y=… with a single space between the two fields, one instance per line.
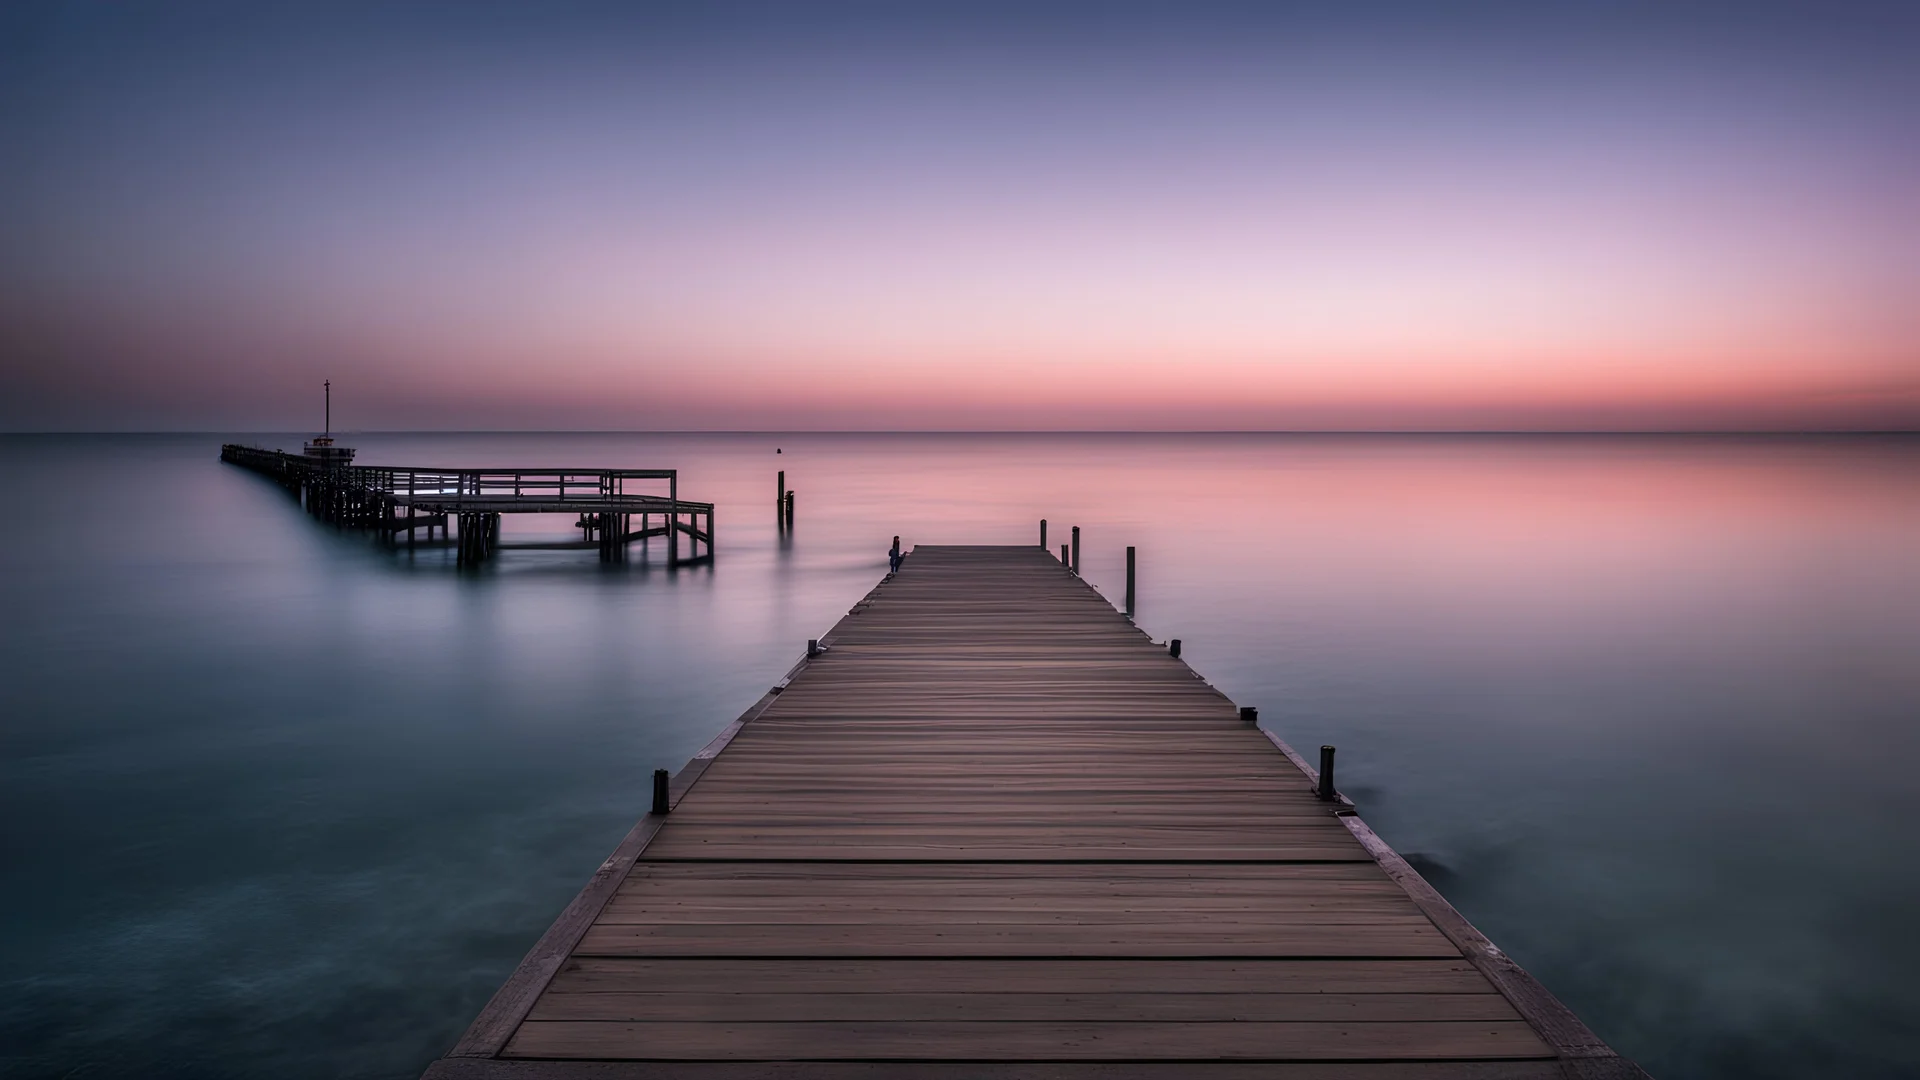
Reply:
x=1364 y=217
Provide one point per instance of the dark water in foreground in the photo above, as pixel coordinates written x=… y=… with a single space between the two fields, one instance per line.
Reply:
x=279 y=802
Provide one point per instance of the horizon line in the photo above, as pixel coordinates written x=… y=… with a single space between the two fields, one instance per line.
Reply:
x=1348 y=432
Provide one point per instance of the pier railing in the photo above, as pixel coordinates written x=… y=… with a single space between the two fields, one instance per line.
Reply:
x=547 y=485
x=398 y=500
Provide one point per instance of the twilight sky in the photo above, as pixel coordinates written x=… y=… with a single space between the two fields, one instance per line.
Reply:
x=968 y=216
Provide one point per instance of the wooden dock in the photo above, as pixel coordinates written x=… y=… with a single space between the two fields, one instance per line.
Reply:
x=466 y=505
x=993 y=831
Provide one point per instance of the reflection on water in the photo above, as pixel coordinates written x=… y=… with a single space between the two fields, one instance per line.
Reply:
x=281 y=801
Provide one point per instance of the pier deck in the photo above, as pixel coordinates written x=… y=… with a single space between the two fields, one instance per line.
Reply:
x=994 y=831
x=396 y=501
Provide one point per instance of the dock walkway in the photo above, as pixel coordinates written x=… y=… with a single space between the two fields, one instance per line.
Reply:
x=472 y=501
x=996 y=832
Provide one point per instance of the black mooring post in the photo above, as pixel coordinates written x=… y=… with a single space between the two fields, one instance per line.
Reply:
x=1076 y=551
x=813 y=647
x=660 y=791
x=1043 y=534
x=1129 y=581
x=1064 y=560
x=1326 y=774
x=1249 y=714
x=1173 y=648
x=781 y=496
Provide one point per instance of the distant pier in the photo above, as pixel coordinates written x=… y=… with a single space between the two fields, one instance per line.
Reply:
x=463 y=507
x=988 y=830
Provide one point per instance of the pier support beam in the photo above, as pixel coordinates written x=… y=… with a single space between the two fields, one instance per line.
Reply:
x=474 y=501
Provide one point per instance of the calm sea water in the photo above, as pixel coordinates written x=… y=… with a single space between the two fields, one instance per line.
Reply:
x=282 y=802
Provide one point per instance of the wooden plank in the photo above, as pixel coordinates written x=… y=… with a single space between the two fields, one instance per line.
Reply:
x=591 y=974
x=1413 y=938
x=1029 y=1041
x=1149 y=1007
x=1065 y=875
x=511 y=1069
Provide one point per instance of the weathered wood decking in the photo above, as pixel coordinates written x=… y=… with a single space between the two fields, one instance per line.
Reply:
x=995 y=832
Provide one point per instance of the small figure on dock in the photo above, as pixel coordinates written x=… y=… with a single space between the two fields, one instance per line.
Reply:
x=894 y=557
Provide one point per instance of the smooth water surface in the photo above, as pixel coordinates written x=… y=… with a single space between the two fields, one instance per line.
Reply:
x=279 y=801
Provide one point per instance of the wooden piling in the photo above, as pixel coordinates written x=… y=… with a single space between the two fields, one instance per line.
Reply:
x=1076 y=550
x=1129 y=581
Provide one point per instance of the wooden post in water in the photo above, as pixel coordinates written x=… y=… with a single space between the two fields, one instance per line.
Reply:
x=660 y=805
x=1129 y=581
x=780 y=498
x=1065 y=559
x=1326 y=791
x=789 y=511
x=1076 y=551
x=1043 y=534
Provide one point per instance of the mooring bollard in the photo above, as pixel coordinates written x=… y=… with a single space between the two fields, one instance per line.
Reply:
x=660 y=791
x=1129 y=581
x=1173 y=648
x=789 y=511
x=1043 y=534
x=780 y=496
x=813 y=648
x=1064 y=561
x=1326 y=774
x=1076 y=551
x=1249 y=714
